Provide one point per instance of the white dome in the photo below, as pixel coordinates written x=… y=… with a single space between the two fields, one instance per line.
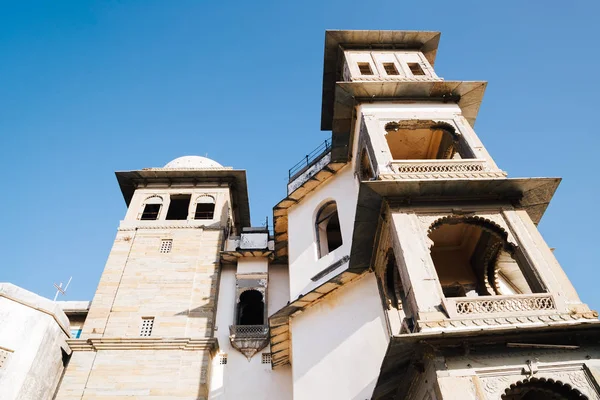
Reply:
x=193 y=162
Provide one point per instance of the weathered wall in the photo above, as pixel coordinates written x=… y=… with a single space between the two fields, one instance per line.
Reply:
x=241 y=378
x=33 y=331
x=339 y=344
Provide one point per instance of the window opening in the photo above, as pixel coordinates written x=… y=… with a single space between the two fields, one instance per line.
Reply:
x=75 y=333
x=416 y=69
x=166 y=245
x=205 y=208
x=392 y=282
x=390 y=69
x=150 y=212
x=424 y=140
x=365 y=68
x=223 y=359
x=329 y=234
x=473 y=259
x=179 y=207
x=266 y=358
x=147 y=325
x=251 y=308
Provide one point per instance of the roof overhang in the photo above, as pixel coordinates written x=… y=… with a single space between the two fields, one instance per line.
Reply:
x=129 y=181
x=531 y=194
x=338 y=40
x=468 y=95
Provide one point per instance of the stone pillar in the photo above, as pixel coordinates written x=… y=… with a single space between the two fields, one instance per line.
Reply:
x=416 y=267
x=541 y=258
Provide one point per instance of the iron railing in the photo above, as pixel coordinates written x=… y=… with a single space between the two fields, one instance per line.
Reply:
x=310 y=159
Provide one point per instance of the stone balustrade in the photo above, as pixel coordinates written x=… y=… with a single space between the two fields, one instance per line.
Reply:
x=441 y=169
x=514 y=305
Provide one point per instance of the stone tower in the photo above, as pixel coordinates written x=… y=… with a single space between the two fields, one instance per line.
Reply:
x=406 y=211
x=150 y=328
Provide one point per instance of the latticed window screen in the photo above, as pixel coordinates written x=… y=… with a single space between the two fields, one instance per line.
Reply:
x=4 y=356
x=223 y=358
x=147 y=324
x=166 y=245
x=266 y=358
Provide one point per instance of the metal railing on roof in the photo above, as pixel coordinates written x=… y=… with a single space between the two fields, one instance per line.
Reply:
x=310 y=159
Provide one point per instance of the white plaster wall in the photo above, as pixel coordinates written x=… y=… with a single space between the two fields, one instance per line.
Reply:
x=240 y=378
x=34 y=367
x=248 y=265
x=339 y=344
x=302 y=244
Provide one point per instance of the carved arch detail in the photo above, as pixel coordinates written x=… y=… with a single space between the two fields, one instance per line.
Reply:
x=555 y=389
x=153 y=199
x=493 y=223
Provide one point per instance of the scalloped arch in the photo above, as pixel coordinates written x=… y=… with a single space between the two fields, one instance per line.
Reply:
x=554 y=389
x=483 y=223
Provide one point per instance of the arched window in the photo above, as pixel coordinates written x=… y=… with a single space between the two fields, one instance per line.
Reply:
x=251 y=308
x=152 y=207
x=425 y=140
x=473 y=258
x=205 y=207
x=329 y=234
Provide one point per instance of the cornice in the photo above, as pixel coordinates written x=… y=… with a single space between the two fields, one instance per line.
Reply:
x=138 y=343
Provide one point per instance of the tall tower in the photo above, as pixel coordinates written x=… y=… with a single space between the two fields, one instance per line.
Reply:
x=410 y=249
x=150 y=328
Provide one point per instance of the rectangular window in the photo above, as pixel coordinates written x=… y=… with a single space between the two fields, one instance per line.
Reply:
x=390 y=69
x=204 y=211
x=266 y=358
x=179 y=207
x=147 y=324
x=223 y=358
x=365 y=68
x=75 y=333
x=166 y=245
x=416 y=69
x=150 y=212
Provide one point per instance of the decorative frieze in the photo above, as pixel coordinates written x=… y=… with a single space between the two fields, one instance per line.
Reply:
x=504 y=304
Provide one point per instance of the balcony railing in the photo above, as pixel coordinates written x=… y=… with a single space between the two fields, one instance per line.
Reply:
x=442 y=169
x=514 y=305
x=248 y=331
x=310 y=159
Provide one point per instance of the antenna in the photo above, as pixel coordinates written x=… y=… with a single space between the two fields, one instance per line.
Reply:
x=59 y=288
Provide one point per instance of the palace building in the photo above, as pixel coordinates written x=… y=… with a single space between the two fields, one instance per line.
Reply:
x=403 y=264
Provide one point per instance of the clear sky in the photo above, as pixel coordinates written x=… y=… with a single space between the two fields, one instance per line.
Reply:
x=88 y=88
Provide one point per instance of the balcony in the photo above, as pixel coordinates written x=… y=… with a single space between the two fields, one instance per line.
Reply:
x=249 y=339
x=440 y=169
x=501 y=306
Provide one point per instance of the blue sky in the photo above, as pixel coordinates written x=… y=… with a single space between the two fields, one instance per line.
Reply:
x=88 y=88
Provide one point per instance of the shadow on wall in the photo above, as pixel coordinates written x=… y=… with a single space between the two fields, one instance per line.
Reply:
x=352 y=327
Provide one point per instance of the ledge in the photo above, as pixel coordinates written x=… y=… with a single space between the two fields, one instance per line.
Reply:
x=141 y=343
x=36 y=302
